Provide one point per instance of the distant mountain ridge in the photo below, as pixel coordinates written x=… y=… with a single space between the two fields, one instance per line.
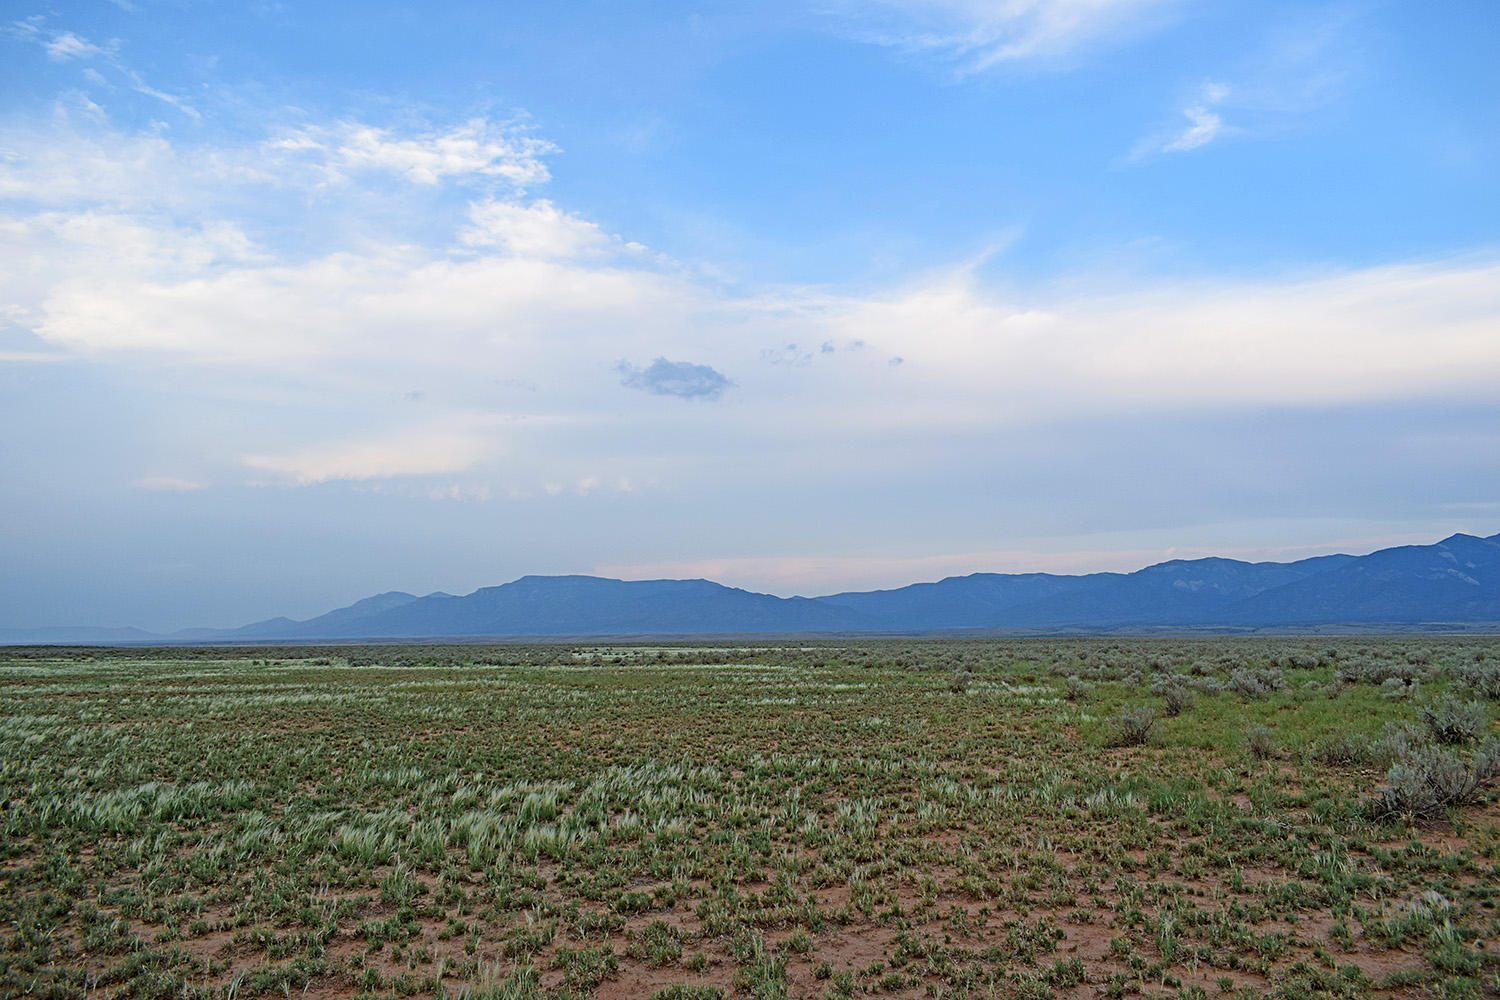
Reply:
x=1452 y=582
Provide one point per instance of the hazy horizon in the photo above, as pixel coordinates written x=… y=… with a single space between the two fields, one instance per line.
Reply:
x=797 y=298
x=728 y=573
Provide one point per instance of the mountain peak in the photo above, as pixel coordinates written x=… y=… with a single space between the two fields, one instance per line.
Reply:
x=1463 y=537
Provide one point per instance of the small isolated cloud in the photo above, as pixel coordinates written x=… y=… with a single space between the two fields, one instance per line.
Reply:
x=168 y=484
x=1203 y=128
x=1205 y=123
x=674 y=378
x=1303 y=66
x=791 y=354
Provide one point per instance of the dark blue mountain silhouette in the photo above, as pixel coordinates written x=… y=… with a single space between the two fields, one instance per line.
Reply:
x=1452 y=582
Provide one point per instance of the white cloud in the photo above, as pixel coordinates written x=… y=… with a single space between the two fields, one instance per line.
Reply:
x=434 y=450
x=66 y=45
x=540 y=229
x=74 y=164
x=1386 y=332
x=531 y=294
x=980 y=34
x=133 y=285
x=1204 y=124
x=392 y=309
x=478 y=148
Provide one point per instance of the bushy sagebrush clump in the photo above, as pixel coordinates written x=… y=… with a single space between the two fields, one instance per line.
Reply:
x=1132 y=726
x=1208 y=685
x=1076 y=688
x=1425 y=783
x=1397 y=741
x=1394 y=687
x=1379 y=672
x=1256 y=682
x=1487 y=759
x=1481 y=678
x=1177 y=696
x=1260 y=741
x=1452 y=721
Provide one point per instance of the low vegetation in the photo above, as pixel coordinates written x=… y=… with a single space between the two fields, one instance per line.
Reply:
x=1185 y=818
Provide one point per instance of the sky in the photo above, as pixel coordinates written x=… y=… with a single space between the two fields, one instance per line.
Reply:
x=308 y=301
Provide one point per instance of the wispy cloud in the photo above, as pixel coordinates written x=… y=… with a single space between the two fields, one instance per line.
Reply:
x=976 y=35
x=65 y=46
x=477 y=148
x=425 y=451
x=1296 y=69
x=1204 y=127
x=168 y=484
x=1205 y=123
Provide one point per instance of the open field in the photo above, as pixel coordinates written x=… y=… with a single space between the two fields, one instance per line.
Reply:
x=906 y=819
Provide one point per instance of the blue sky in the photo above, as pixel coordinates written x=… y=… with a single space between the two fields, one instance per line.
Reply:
x=309 y=301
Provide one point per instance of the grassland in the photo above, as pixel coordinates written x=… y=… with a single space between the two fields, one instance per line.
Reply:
x=1028 y=818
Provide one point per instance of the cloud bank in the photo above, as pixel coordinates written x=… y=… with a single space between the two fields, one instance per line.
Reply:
x=405 y=354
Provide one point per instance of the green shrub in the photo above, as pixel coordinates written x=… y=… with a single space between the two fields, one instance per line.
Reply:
x=1483 y=679
x=1177 y=696
x=1452 y=721
x=1260 y=741
x=1397 y=741
x=1132 y=726
x=1256 y=682
x=1394 y=688
x=1425 y=784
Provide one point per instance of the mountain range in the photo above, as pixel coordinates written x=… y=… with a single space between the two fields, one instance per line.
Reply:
x=1452 y=583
